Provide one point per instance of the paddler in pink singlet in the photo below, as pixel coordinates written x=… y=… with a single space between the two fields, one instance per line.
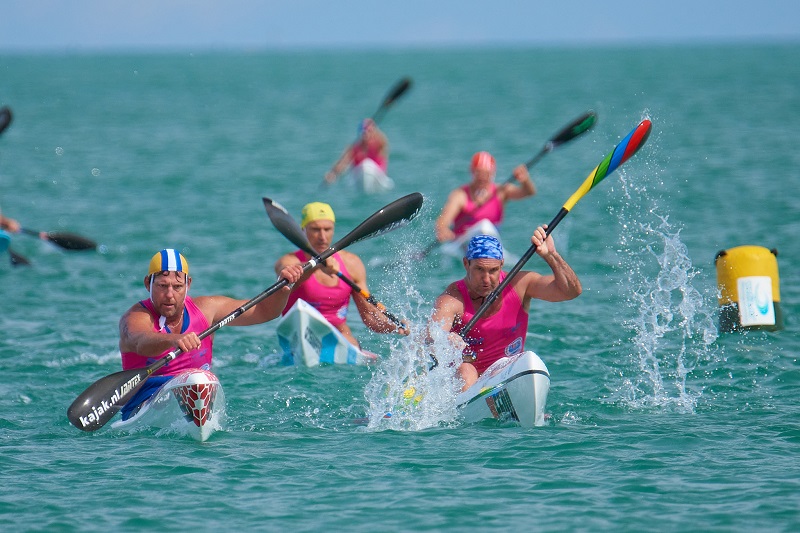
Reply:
x=371 y=144
x=322 y=287
x=501 y=330
x=481 y=199
x=171 y=319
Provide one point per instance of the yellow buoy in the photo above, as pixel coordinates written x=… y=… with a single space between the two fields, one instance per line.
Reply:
x=749 y=289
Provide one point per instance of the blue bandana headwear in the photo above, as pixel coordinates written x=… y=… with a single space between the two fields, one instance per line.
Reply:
x=484 y=247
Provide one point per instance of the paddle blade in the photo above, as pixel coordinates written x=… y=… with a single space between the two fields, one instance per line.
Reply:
x=70 y=241
x=98 y=404
x=18 y=259
x=396 y=92
x=5 y=118
x=623 y=151
x=287 y=225
x=577 y=127
x=395 y=215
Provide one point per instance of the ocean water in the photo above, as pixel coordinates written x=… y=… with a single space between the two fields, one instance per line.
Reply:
x=657 y=420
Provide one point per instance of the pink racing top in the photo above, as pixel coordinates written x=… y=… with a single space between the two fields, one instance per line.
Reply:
x=371 y=151
x=332 y=302
x=471 y=214
x=500 y=335
x=193 y=321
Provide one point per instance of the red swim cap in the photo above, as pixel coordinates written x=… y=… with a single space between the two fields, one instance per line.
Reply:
x=482 y=161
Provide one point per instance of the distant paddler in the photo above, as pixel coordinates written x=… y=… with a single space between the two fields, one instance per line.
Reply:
x=501 y=330
x=481 y=202
x=368 y=155
x=371 y=148
x=481 y=198
x=322 y=287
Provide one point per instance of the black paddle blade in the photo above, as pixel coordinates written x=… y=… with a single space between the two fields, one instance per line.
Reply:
x=5 y=118
x=394 y=93
x=397 y=91
x=287 y=225
x=395 y=215
x=18 y=259
x=575 y=128
x=70 y=241
x=100 y=402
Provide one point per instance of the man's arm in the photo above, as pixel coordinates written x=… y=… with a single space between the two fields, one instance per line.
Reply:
x=522 y=189
x=218 y=307
x=137 y=335
x=563 y=284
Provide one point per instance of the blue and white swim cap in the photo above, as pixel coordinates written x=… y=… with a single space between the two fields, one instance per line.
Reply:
x=484 y=247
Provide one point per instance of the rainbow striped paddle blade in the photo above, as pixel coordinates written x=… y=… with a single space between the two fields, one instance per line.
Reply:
x=623 y=151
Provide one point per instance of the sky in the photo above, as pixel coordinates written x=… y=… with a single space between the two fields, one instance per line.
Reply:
x=66 y=25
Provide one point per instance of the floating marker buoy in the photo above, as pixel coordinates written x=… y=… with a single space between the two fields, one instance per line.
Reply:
x=749 y=289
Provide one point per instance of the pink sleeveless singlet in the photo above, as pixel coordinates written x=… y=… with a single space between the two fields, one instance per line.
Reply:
x=372 y=151
x=472 y=214
x=193 y=321
x=499 y=335
x=332 y=302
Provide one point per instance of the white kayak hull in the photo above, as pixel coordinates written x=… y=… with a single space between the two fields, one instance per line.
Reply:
x=370 y=178
x=307 y=339
x=458 y=246
x=192 y=403
x=512 y=389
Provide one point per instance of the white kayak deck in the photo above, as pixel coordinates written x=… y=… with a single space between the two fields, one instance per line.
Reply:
x=307 y=339
x=458 y=246
x=513 y=389
x=192 y=403
x=370 y=178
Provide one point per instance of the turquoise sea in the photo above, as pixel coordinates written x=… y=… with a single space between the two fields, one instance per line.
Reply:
x=657 y=420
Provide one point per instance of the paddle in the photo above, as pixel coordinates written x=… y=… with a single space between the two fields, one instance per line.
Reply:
x=5 y=118
x=290 y=229
x=95 y=406
x=63 y=239
x=18 y=259
x=574 y=129
x=395 y=92
x=623 y=151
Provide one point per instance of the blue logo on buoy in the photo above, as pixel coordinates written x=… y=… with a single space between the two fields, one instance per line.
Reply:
x=762 y=302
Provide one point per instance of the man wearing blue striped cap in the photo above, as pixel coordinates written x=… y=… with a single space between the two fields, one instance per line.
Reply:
x=171 y=319
x=501 y=330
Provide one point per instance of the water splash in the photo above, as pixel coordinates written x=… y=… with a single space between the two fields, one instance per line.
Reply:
x=407 y=392
x=672 y=322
